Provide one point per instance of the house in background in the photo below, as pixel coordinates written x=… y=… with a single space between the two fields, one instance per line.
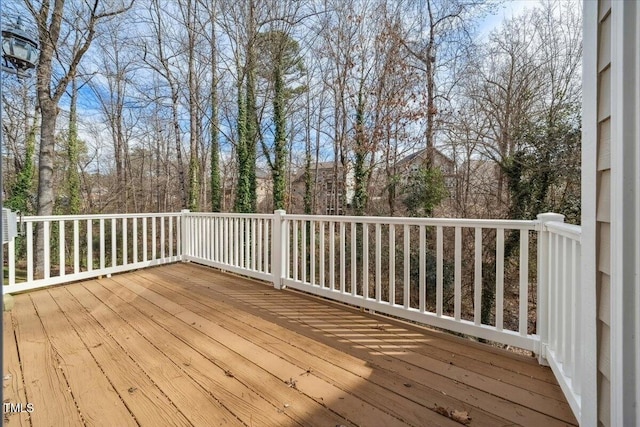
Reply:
x=479 y=187
x=412 y=163
x=264 y=191
x=403 y=169
x=330 y=199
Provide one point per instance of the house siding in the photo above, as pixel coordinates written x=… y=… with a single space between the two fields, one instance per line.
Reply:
x=603 y=213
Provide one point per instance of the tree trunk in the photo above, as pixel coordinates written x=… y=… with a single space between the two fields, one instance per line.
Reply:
x=193 y=202
x=178 y=143
x=216 y=190
x=73 y=178
x=280 y=143
x=360 y=173
x=46 y=196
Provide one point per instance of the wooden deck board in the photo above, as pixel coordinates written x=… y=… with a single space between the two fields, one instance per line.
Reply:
x=164 y=370
x=483 y=392
x=146 y=401
x=13 y=386
x=43 y=376
x=414 y=403
x=337 y=372
x=351 y=407
x=201 y=364
x=199 y=347
x=473 y=361
x=302 y=409
x=97 y=401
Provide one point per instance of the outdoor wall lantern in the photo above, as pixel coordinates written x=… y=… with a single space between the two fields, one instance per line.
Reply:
x=19 y=49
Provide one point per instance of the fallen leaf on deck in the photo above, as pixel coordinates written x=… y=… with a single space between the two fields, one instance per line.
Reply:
x=461 y=416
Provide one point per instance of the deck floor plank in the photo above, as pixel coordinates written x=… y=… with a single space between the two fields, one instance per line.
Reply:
x=45 y=383
x=489 y=356
x=393 y=336
x=203 y=366
x=414 y=403
x=13 y=386
x=338 y=372
x=168 y=373
x=144 y=399
x=301 y=408
x=280 y=306
x=425 y=348
x=96 y=398
x=184 y=344
x=349 y=406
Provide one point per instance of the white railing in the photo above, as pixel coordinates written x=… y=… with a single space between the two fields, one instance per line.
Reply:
x=432 y=271
x=468 y=276
x=79 y=247
x=560 y=316
x=240 y=243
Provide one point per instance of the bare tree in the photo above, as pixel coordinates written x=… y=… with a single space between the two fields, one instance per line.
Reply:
x=437 y=40
x=160 y=57
x=54 y=35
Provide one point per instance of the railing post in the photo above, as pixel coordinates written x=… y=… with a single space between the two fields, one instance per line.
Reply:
x=278 y=250
x=185 y=235
x=544 y=283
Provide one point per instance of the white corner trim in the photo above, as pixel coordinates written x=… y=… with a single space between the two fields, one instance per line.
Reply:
x=589 y=398
x=625 y=214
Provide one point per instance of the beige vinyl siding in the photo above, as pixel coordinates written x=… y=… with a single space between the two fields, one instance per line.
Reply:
x=603 y=213
x=604 y=152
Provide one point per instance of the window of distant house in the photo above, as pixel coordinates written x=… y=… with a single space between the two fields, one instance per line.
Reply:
x=329 y=186
x=450 y=181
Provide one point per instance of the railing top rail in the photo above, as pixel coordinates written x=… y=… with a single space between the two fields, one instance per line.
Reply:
x=98 y=216
x=230 y=215
x=451 y=222
x=570 y=231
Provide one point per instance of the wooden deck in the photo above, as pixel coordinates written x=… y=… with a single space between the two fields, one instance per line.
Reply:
x=188 y=345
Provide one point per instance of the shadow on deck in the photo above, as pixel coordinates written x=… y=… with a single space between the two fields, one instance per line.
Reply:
x=188 y=345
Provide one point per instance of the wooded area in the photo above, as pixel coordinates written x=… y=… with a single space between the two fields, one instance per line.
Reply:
x=237 y=105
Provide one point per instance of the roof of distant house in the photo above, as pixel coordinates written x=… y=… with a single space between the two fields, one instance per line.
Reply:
x=416 y=155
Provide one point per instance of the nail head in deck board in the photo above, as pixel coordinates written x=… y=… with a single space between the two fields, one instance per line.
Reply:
x=351 y=407
x=145 y=400
x=12 y=374
x=97 y=401
x=42 y=374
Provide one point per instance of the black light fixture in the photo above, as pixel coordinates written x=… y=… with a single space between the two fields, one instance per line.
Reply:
x=19 y=49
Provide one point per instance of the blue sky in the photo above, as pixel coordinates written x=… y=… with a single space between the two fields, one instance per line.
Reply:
x=507 y=10
x=504 y=11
